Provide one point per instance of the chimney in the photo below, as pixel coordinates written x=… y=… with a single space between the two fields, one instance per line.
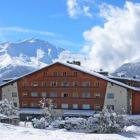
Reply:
x=75 y=63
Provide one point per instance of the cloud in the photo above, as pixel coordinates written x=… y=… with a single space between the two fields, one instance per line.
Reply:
x=25 y=30
x=78 y=7
x=117 y=41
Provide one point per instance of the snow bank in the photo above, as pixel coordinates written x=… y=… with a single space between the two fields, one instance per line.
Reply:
x=9 y=132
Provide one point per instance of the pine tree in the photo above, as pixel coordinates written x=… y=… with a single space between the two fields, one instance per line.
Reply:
x=8 y=109
x=110 y=122
x=47 y=106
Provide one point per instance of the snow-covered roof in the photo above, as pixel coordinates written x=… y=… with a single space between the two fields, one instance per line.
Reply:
x=125 y=78
x=91 y=72
x=2 y=116
x=78 y=112
x=82 y=69
x=64 y=112
x=30 y=111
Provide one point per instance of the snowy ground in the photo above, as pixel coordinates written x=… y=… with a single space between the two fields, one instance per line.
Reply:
x=9 y=132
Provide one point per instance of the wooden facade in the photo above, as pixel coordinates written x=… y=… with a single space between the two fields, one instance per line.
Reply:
x=69 y=88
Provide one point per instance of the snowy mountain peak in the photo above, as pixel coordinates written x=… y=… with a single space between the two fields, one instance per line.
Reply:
x=30 y=54
x=129 y=70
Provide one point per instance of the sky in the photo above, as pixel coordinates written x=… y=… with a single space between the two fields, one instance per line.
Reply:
x=105 y=31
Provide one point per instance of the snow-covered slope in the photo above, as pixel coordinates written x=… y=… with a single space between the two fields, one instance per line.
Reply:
x=25 y=56
x=129 y=70
x=9 y=132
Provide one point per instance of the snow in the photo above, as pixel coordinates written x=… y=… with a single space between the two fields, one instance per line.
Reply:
x=9 y=132
x=125 y=78
x=28 y=53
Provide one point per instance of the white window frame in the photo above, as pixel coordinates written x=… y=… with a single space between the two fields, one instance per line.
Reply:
x=75 y=106
x=44 y=94
x=65 y=84
x=63 y=93
x=53 y=83
x=53 y=94
x=86 y=106
x=34 y=94
x=86 y=95
x=75 y=95
x=14 y=94
x=35 y=84
x=64 y=106
x=110 y=95
x=97 y=107
x=97 y=95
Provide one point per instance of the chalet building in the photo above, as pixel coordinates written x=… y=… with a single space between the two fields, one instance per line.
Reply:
x=71 y=87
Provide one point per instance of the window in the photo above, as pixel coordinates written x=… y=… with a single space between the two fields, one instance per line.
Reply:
x=34 y=105
x=25 y=84
x=44 y=84
x=65 y=83
x=110 y=95
x=44 y=94
x=24 y=104
x=75 y=106
x=53 y=84
x=34 y=94
x=45 y=74
x=64 y=106
x=97 y=95
x=34 y=84
x=86 y=106
x=86 y=84
x=97 y=84
x=15 y=104
x=14 y=94
x=64 y=73
x=97 y=107
x=25 y=94
x=86 y=95
x=75 y=73
x=110 y=107
x=53 y=94
x=75 y=95
x=75 y=84
x=64 y=95
x=55 y=73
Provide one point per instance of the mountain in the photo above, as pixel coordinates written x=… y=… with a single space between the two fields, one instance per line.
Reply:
x=25 y=56
x=129 y=70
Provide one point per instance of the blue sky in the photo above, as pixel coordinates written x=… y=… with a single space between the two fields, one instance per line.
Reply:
x=49 y=20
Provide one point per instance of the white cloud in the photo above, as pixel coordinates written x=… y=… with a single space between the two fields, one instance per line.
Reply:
x=117 y=41
x=78 y=7
x=73 y=8
x=25 y=30
x=86 y=11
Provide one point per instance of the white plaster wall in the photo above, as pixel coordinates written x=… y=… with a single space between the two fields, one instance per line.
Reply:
x=7 y=93
x=120 y=100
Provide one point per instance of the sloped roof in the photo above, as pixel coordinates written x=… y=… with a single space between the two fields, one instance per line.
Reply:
x=125 y=78
x=82 y=69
